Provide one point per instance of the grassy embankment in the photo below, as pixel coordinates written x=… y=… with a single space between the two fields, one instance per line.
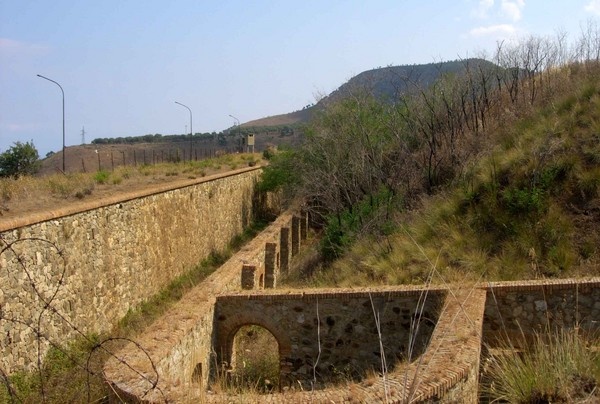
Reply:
x=528 y=207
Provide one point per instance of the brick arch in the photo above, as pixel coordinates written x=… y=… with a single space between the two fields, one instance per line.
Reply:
x=226 y=329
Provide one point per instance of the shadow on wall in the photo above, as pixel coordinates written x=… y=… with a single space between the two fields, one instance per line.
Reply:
x=267 y=205
x=255 y=361
x=328 y=338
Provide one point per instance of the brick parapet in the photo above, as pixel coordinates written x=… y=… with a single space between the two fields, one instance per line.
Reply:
x=338 y=293
x=451 y=362
x=348 y=328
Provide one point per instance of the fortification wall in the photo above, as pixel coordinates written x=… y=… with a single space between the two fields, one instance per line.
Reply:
x=516 y=310
x=84 y=268
x=343 y=327
x=321 y=331
x=175 y=355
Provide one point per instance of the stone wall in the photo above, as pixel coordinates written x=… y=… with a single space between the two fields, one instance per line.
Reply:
x=446 y=371
x=84 y=268
x=516 y=310
x=336 y=330
x=177 y=351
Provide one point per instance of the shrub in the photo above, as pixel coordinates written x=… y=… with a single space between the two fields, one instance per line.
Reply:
x=343 y=228
x=101 y=177
x=20 y=159
x=280 y=173
x=524 y=200
x=60 y=186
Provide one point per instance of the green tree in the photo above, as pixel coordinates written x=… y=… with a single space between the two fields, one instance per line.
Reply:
x=20 y=159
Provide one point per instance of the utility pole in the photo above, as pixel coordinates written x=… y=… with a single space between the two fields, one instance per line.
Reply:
x=83 y=135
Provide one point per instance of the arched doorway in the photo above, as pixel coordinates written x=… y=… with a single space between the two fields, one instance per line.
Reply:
x=255 y=362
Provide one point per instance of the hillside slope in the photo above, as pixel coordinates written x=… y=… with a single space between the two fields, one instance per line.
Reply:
x=291 y=118
x=525 y=206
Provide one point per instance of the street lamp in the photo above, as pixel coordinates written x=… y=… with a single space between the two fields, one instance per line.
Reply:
x=191 y=131
x=238 y=123
x=237 y=120
x=63 y=119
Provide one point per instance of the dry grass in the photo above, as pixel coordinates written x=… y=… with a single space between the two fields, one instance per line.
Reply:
x=555 y=367
x=33 y=194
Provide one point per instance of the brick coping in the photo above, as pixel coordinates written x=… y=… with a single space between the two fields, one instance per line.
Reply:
x=548 y=284
x=334 y=293
x=84 y=206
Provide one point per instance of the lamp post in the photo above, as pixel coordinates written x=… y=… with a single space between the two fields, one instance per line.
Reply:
x=191 y=131
x=63 y=119
x=238 y=123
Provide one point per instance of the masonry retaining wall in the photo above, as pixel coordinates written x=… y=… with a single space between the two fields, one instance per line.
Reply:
x=94 y=262
x=178 y=350
x=516 y=310
x=322 y=331
x=446 y=371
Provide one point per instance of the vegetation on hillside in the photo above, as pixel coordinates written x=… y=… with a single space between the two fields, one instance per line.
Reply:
x=222 y=138
x=490 y=171
x=392 y=83
x=156 y=138
x=282 y=130
x=528 y=208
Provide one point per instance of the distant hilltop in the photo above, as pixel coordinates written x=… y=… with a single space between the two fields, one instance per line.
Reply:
x=385 y=83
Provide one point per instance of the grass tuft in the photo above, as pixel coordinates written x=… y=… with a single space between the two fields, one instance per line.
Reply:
x=554 y=367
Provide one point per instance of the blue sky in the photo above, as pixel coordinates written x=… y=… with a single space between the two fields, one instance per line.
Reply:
x=123 y=63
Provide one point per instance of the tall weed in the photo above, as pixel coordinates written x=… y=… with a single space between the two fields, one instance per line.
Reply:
x=556 y=367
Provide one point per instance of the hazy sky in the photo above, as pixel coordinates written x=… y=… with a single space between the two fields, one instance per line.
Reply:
x=123 y=63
